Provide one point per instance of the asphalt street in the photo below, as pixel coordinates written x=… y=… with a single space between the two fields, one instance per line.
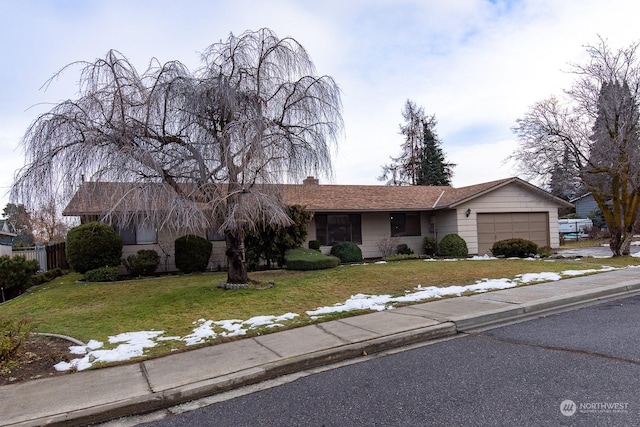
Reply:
x=579 y=367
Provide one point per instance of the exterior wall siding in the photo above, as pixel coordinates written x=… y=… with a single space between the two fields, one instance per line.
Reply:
x=511 y=198
x=166 y=249
x=585 y=206
x=375 y=227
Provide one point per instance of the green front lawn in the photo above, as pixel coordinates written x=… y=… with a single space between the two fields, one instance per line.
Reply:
x=172 y=304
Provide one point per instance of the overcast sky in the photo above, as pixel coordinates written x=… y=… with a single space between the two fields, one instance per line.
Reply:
x=476 y=64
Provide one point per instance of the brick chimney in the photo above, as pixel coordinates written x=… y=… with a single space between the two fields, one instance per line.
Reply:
x=310 y=181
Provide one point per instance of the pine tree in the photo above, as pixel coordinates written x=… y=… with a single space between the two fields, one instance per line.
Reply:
x=433 y=167
x=421 y=161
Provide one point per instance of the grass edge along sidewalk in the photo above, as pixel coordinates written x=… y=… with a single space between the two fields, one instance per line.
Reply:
x=177 y=305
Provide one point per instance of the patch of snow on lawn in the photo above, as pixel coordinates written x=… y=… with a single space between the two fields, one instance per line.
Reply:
x=132 y=345
x=201 y=333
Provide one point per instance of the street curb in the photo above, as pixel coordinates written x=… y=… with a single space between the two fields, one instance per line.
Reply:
x=541 y=307
x=167 y=398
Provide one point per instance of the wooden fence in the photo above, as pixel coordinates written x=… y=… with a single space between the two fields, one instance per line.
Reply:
x=57 y=256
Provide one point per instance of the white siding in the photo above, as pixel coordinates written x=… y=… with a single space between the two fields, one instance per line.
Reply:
x=445 y=223
x=166 y=249
x=511 y=198
x=375 y=227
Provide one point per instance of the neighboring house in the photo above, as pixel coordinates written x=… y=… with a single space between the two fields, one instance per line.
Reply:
x=585 y=204
x=6 y=238
x=365 y=214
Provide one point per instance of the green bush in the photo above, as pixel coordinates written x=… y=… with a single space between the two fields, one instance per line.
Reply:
x=45 y=277
x=93 y=245
x=347 y=252
x=517 y=247
x=16 y=274
x=144 y=263
x=13 y=334
x=403 y=249
x=544 y=251
x=453 y=246
x=401 y=257
x=192 y=253
x=314 y=244
x=430 y=246
x=309 y=259
x=268 y=243
x=102 y=274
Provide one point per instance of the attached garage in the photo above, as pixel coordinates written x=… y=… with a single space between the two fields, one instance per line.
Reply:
x=492 y=227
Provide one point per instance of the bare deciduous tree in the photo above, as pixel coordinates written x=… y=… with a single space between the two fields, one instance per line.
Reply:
x=47 y=225
x=595 y=133
x=206 y=149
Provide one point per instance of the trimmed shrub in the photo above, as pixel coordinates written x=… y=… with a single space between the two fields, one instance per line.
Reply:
x=16 y=274
x=102 y=274
x=544 y=251
x=517 y=247
x=404 y=249
x=453 y=246
x=309 y=259
x=347 y=252
x=430 y=246
x=45 y=277
x=314 y=244
x=400 y=257
x=13 y=334
x=192 y=253
x=144 y=263
x=93 y=245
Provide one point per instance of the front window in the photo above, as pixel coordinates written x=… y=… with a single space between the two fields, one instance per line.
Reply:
x=138 y=234
x=214 y=236
x=405 y=224
x=334 y=228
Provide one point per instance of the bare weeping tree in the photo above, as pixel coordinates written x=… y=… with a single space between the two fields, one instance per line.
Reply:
x=593 y=132
x=203 y=149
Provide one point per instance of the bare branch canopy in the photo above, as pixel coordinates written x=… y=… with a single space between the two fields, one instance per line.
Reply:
x=205 y=148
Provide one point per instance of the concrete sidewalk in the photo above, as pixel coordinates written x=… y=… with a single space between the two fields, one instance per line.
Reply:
x=108 y=393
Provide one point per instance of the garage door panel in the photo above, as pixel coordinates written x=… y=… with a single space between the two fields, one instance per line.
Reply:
x=492 y=227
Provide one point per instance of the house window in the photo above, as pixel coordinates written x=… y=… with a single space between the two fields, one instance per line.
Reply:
x=214 y=236
x=138 y=234
x=334 y=228
x=405 y=224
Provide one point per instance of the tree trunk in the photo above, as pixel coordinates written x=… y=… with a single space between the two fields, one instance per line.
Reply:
x=615 y=242
x=237 y=266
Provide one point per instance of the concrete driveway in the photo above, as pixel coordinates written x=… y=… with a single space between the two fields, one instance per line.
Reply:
x=596 y=251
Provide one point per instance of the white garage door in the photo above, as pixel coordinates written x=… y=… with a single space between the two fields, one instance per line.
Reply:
x=492 y=227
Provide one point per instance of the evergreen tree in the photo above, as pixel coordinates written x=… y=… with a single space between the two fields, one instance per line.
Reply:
x=421 y=161
x=434 y=169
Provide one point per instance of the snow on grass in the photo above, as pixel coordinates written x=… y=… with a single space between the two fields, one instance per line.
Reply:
x=133 y=344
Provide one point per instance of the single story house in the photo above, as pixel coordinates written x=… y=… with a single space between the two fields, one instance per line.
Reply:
x=6 y=237
x=585 y=205
x=366 y=214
